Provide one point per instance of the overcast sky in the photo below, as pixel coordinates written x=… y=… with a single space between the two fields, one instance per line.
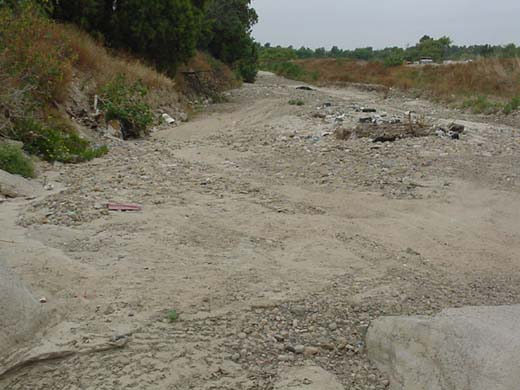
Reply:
x=380 y=23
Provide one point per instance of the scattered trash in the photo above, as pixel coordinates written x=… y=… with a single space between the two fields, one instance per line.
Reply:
x=305 y=88
x=456 y=128
x=453 y=131
x=124 y=207
x=168 y=119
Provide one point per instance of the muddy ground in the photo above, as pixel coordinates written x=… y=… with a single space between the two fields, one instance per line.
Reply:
x=276 y=243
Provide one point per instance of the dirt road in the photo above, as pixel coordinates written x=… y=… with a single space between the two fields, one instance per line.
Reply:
x=275 y=242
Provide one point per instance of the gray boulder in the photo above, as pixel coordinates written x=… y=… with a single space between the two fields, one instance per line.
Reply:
x=22 y=315
x=474 y=348
x=13 y=186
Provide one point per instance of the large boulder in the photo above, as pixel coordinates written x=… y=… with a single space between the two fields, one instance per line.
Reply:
x=474 y=348
x=13 y=186
x=21 y=314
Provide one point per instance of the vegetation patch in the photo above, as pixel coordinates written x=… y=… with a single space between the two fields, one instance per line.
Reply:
x=55 y=143
x=296 y=102
x=292 y=71
x=14 y=160
x=126 y=102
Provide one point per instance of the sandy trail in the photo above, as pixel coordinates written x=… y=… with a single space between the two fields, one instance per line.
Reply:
x=264 y=234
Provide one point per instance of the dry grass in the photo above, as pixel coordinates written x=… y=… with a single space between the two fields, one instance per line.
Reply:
x=497 y=78
x=94 y=59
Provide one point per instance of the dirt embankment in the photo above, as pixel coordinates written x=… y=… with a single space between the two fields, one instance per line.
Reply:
x=275 y=242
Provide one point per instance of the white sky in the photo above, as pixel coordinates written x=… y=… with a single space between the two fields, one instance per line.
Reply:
x=381 y=23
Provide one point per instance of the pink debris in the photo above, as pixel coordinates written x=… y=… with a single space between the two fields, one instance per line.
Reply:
x=124 y=207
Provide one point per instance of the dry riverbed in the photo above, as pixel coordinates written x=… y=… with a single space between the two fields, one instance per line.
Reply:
x=275 y=242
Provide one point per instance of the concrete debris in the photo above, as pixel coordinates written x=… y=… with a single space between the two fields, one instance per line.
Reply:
x=168 y=119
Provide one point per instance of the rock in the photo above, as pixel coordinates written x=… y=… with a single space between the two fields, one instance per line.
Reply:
x=279 y=338
x=284 y=358
x=311 y=351
x=114 y=129
x=299 y=349
x=305 y=88
x=333 y=326
x=22 y=314
x=475 y=348
x=13 y=186
x=343 y=134
x=307 y=378
x=368 y=110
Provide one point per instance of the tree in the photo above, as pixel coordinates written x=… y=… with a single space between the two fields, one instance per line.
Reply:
x=231 y=23
x=164 y=31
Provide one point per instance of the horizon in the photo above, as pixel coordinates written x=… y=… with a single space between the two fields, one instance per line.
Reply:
x=482 y=23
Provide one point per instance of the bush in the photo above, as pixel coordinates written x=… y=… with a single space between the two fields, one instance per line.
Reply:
x=55 y=144
x=291 y=71
x=126 y=102
x=481 y=105
x=296 y=102
x=513 y=105
x=14 y=160
x=35 y=52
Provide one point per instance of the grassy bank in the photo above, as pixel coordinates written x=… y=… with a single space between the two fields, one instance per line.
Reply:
x=48 y=67
x=488 y=85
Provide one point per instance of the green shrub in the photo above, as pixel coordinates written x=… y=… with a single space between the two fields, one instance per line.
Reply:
x=172 y=315
x=55 y=144
x=296 y=102
x=513 y=105
x=14 y=160
x=291 y=71
x=127 y=103
x=247 y=70
x=481 y=105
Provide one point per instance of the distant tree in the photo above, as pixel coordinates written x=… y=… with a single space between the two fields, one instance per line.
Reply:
x=230 y=41
x=335 y=51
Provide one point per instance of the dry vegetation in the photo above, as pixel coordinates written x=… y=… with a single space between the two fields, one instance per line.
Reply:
x=496 y=79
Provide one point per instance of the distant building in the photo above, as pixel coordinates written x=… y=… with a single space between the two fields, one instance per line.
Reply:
x=426 y=61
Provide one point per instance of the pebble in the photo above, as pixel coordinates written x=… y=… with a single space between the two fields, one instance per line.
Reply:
x=284 y=358
x=333 y=326
x=311 y=351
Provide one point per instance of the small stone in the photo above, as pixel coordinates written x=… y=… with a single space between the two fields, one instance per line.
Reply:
x=279 y=338
x=235 y=357
x=284 y=358
x=299 y=349
x=327 y=346
x=43 y=300
x=333 y=326
x=311 y=351
x=242 y=336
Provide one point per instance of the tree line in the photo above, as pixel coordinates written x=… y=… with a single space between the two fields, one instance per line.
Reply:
x=439 y=49
x=165 y=32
